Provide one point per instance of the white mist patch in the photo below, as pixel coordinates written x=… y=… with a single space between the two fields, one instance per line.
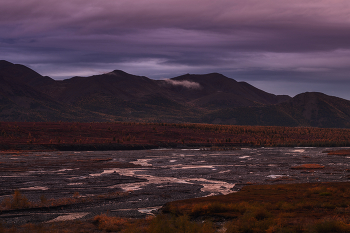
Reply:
x=184 y=83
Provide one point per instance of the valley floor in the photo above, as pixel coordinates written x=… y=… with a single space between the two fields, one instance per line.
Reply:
x=80 y=185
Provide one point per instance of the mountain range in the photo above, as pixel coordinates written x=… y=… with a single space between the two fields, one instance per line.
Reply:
x=25 y=95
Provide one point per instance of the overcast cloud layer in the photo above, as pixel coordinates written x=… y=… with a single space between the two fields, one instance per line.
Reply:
x=280 y=46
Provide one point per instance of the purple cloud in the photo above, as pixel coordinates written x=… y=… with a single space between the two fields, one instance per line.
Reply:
x=274 y=41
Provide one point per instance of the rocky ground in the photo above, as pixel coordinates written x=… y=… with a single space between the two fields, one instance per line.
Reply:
x=137 y=183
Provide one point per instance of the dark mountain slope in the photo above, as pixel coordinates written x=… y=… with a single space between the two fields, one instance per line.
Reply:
x=216 y=91
x=319 y=110
x=306 y=109
x=117 y=83
x=268 y=115
x=210 y=98
x=22 y=74
x=21 y=102
x=127 y=96
x=267 y=97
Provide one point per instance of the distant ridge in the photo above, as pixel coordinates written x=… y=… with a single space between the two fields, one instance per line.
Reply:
x=218 y=91
x=319 y=110
x=22 y=74
x=212 y=98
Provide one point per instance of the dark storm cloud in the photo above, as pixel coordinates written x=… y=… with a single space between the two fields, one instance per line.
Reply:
x=273 y=41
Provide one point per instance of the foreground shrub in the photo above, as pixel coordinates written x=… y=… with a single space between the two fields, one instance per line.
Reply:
x=331 y=226
x=108 y=223
x=18 y=201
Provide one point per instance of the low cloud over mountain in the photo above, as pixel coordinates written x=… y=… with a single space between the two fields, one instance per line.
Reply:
x=184 y=83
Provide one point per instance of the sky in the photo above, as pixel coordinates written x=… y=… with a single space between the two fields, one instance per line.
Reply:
x=279 y=46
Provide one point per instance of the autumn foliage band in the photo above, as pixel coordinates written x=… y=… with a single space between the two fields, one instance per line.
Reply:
x=129 y=135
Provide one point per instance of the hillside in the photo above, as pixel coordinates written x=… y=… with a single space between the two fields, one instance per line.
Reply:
x=306 y=109
x=211 y=98
x=318 y=109
x=22 y=100
x=215 y=90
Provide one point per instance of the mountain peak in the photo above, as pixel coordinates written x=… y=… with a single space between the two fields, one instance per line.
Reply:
x=203 y=77
x=22 y=74
x=123 y=74
x=312 y=95
x=308 y=93
x=4 y=63
x=120 y=72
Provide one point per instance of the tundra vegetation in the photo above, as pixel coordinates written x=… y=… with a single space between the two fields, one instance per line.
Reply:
x=74 y=136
